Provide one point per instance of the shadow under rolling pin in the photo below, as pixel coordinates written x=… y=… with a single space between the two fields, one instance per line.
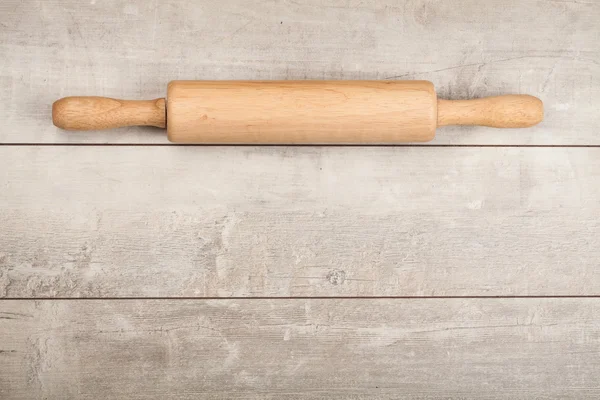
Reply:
x=298 y=112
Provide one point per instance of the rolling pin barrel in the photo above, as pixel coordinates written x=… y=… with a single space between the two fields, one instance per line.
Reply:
x=301 y=112
x=298 y=112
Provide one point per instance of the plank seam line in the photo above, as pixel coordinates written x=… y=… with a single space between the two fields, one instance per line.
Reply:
x=296 y=145
x=306 y=298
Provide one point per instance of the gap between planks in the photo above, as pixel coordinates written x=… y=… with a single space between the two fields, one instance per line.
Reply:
x=591 y=296
x=539 y=146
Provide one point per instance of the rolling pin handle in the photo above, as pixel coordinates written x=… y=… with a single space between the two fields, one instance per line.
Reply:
x=507 y=111
x=92 y=113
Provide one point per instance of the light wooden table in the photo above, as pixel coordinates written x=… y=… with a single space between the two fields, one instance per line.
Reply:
x=464 y=268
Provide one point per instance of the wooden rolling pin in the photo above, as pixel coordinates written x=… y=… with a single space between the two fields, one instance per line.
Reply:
x=298 y=112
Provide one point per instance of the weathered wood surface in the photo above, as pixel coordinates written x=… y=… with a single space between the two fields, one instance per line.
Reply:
x=140 y=221
x=106 y=221
x=131 y=49
x=288 y=349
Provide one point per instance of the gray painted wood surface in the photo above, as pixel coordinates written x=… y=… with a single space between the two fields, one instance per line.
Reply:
x=167 y=221
x=131 y=49
x=330 y=221
x=288 y=349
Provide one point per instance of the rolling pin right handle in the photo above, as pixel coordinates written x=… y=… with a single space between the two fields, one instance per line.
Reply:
x=92 y=113
x=508 y=111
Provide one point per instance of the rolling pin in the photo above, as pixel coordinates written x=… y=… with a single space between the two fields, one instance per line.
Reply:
x=298 y=112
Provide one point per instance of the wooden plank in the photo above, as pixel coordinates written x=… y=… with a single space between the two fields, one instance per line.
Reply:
x=287 y=349
x=102 y=221
x=131 y=49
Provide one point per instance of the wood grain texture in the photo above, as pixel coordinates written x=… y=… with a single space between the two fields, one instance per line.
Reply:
x=131 y=49
x=303 y=221
x=311 y=349
x=301 y=112
x=102 y=221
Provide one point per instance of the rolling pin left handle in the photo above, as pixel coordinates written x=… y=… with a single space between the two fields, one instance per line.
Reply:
x=93 y=113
